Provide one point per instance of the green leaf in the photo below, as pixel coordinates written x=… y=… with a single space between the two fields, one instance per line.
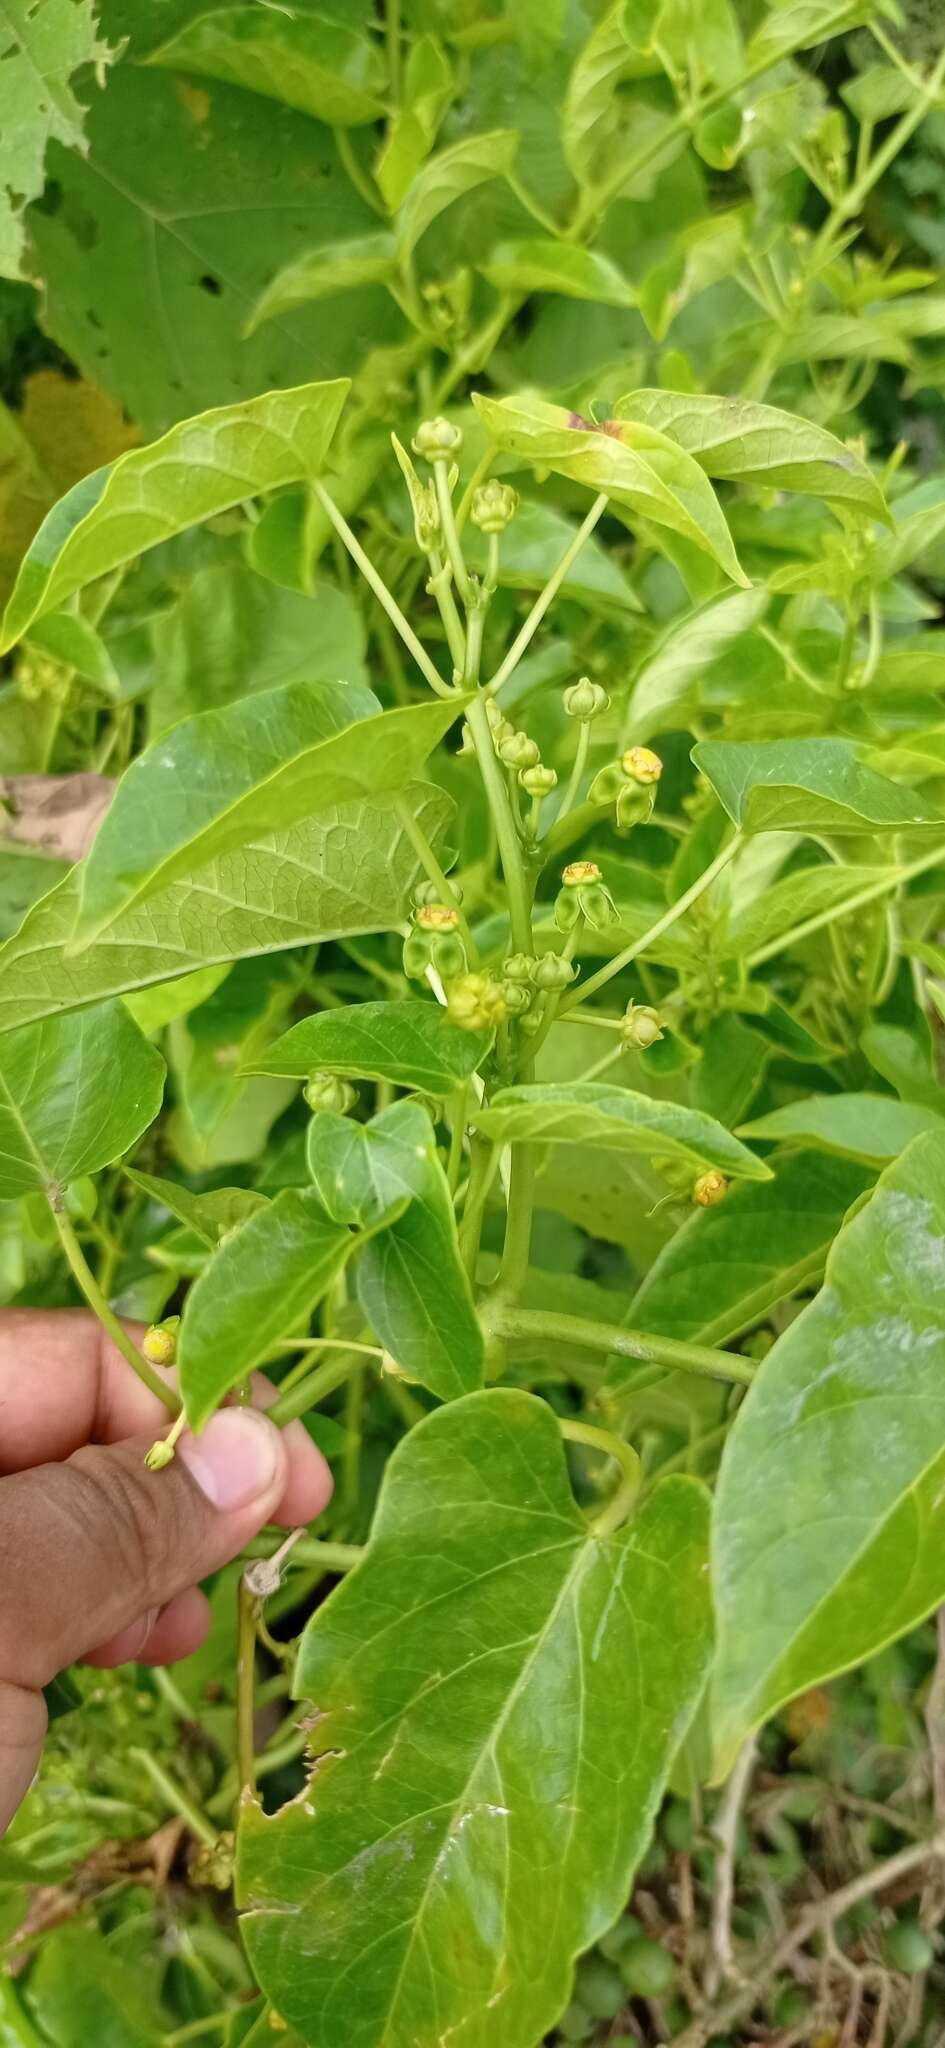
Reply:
x=534 y=545
x=412 y=1044
x=873 y=1128
x=739 y=440
x=361 y=1172
x=25 y=878
x=428 y=90
x=637 y=467
x=830 y=1514
x=211 y=1215
x=727 y=1267
x=509 y=1618
x=197 y=470
x=41 y=49
x=75 y=1093
x=222 y=778
x=69 y=638
x=80 y=1990
x=800 y=894
x=350 y=870
x=620 y=47
x=307 y=61
x=819 y=785
x=260 y=1284
x=683 y=652
x=800 y=25
x=321 y=273
x=232 y=633
x=904 y=1058
x=616 y=1120
x=153 y=1008
x=560 y=267
x=725 y=1080
x=448 y=176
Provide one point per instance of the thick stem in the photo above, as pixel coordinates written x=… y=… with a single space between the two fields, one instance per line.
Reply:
x=381 y=592
x=518 y=1225
x=334 y=1557
x=86 y=1281
x=314 y=1387
x=544 y=599
x=586 y=1335
x=663 y=924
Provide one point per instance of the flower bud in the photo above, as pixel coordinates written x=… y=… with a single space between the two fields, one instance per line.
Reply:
x=476 y=1002
x=517 y=999
x=642 y=765
x=493 y=507
x=426 y=518
x=641 y=1027
x=585 y=700
x=329 y=1091
x=436 y=917
x=160 y=1455
x=538 y=781
x=427 y=893
x=709 y=1189
x=518 y=751
x=159 y=1344
x=519 y=967
x=584 y=895
x=437 y=438
x=553 y=974
x=578 y=871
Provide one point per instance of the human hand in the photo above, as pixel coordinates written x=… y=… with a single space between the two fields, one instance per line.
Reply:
x=99 y=1557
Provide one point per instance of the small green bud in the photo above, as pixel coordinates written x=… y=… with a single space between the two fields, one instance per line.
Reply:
x=709 y=1189
x=518 y=751
x=586 y=700
x=494 y=713
x=476 y=1002
x=640 y=764
x=648 y=1969
x=437 y=438
x=517 y=998
x=553 y=974
x=519 y=967
x=641 y=1027
x=160 y=1455
x=159 y=1343
x=493 y=507
x=329 y=1091
x=538 y=781
x=427 y=893
x=908 y=1948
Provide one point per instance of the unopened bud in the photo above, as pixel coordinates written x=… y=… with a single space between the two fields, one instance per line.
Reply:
x=578 y=871
x=476 y=1002
x=493 y=507
x=641 y=1027
x=634 y=804
x=584 y=895
x=710 y=1189
x=516 y=750
x=642 y=765
x=586 y=700
x=437 y=438
x=160 y=1455
x=436 y=917
x=538 y=781
x=553 y=974
x=519 y=967
x=517 y=999
x=159 y=1344
x=426 y=518
x=427 y=893
x=329 y=1091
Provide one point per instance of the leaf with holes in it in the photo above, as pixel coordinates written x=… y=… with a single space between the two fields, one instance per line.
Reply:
x=349 y=870
x=616 y=1120
x=414 y=1045
x=817 y=785
x=484 y=1614
x=41 y=50
x=200 y=468
x=75 y=1093
x=830 y=1512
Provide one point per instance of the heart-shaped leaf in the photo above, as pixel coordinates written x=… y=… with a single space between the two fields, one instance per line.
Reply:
x=199 y=469
x=75 y=1093
x=819 y=785
x=830 y=1513
x=616 y=1120
x=484 y=1613
x=874 y=1128
x=742 y=441
x=414 y=1045
x=211 y=1215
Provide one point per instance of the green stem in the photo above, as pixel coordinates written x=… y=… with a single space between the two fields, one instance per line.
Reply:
x=441 y=469
x=586 y=1335
x=852 y=200
x=87 y=1283
x=869 y=894
x=392 y=32
x=214 y=2023
x=518 y=1225
x=440 y=586
x=334 y=1557
x=609 y=1059
x=176 y=1798
x=510 y=851
x=381 y=592
x=434 y=873
x=355 y=172
x=663 y=924
x=457 y=1134
x=246 y=1689
x=483 y=1161
x=624 y=1455
x=580 y=763
x=314 y=1387
x=544 y=599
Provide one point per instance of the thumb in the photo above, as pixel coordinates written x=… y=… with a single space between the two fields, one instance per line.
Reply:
x=87 y=1546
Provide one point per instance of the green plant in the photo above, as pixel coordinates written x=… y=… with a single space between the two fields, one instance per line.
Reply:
x=525 y=878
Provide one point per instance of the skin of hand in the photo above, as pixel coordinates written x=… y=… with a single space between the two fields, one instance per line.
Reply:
x=99 y=1558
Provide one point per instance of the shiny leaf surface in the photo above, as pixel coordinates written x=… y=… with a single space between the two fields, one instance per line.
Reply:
x=818 y=785
x=414 y=1045
x=736 y=439
x=616 y=1120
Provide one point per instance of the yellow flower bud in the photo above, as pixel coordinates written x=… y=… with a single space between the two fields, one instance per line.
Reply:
x=642 y=765
x=159 y=1344
x=160 y=1455
x=436 y=917
x=476 y=1002
x=578 y=871
x=710 y=1189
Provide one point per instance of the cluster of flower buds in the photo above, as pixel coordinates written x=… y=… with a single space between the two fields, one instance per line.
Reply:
x=641 y=1027
x=586 y=700
x=630 y=783
x=435 y=940
x=584 y=895
x=518 y=975
x=520 y=754
x=437 y=439
x=159 y=1343
x=709 y=1189
x=329 y=1091
x=476 y=1002
x=493 y=506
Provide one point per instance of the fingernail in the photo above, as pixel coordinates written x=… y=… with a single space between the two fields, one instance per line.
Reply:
x=236 y=1459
